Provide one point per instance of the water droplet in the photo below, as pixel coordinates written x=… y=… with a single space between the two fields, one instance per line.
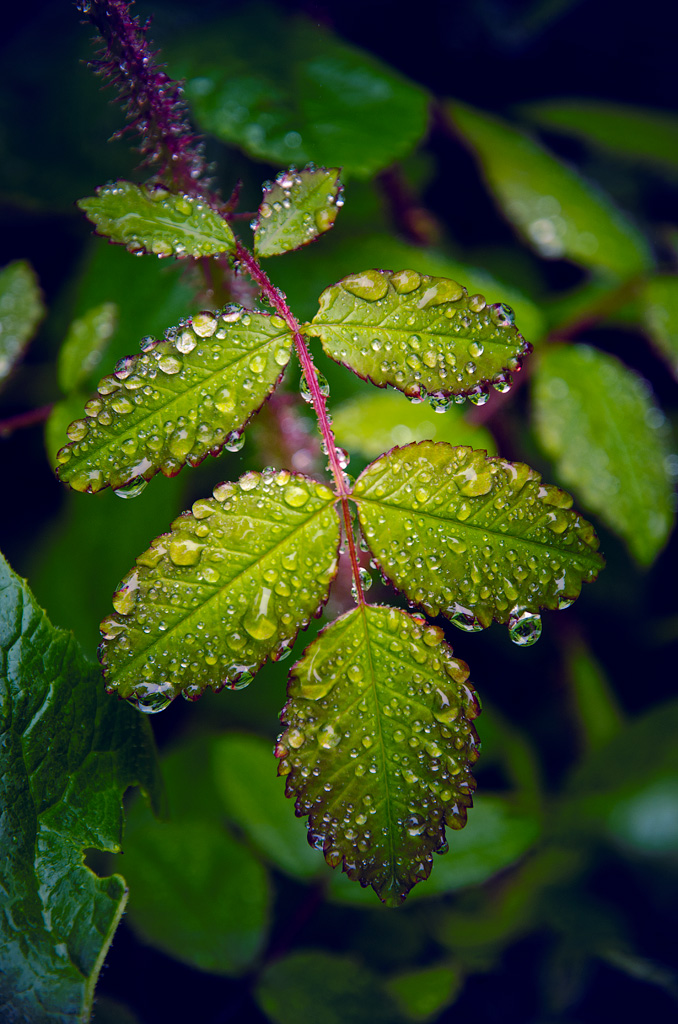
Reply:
x=282 y=356
x=502 y=315
x=295 y=496
x=405 y=281
x=371 y=285
x=186 y=342
x=170 y=364
x=440 y=290
x=205 y=323
x=524 y=627
x=133 y=488
x=259 y=621
x=77 y=430
x=328 y=737
x=234 y=442
x=476 y=303
x=153 y=698
x=184 y=549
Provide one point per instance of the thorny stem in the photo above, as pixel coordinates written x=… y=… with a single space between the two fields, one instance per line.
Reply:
x=278 y=301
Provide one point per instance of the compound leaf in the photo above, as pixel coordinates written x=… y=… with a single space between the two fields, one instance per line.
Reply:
x=474 y=538
x=300 y=95
x=420 y=334
x=84 y=345
x=151 y=219
x=557 y=211
x=178 y=401
x=229 y=587
x=21 y=310
x=660 y=314
x=597 y=419
x=296 y=208
x=379 y=745
x=68 y=755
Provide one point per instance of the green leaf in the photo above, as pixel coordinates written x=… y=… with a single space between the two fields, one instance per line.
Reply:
x=379 y=745
x=298 y=207
x=660 y=314
x=299 y=95
x=84 y=345
x=424 y=992
x=21 y=310
x=243 y=768
x=229 y=587
x=638 y=133
x=180 y=400
x=474 y=538
x=372 y=423
x=151 y=219
x=323 y=988
x=597 y=419
x=557 y=212
x=197 y=894
x=420 y=334
x=68 y=755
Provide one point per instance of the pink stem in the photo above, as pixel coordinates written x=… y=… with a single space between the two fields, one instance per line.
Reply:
x=24 y=419
x=279 y=303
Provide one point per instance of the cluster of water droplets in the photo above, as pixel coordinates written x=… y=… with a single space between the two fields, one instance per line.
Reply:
x=151 y=219
x=296 y=208
x=180 y=399
x=229 y=587
x=475 y=538
x=423 y=335
x=379 y=745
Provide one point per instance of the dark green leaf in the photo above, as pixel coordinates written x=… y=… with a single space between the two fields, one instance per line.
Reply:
x=84 y=345
x=21 y=310
x=298 y=95
x=556 y=211
x=597 y=419
x=660 y=313
x=379 y=745
x=298 y=207
x=474 y=538
x=68 y=755
x=420 y=334
x=638 y=133
x=178 y=401
x=244 y=772
x=229 y=587
x=323 y=988
x=151 y=219
x=373 y=423
x=197 y=894
x=422 y=993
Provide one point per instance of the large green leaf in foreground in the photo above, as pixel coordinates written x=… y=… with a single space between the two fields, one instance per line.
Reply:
x=597 y=419
x=420 y=334
x=229 y=587
x=473 y=537
x=379 y=745
x=68 y=754
x=176 y=402
x=151 y=219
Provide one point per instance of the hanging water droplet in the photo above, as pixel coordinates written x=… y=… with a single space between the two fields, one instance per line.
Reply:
x=153 y=698
x=502 y=315
x=524 y=627
x=133 y=488
x=234 y=442
x=463 y=618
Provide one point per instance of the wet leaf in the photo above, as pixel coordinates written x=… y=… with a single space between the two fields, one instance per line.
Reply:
x=474 y=538
x=196 y=893
x=597 y=419
x=298 y=207
x=178 y=401
x=420 y=334
x=379 y=745
x=150 y=219
x=372 y=423
x=229 y=587
x=84 y=345
x=557 y=212
x=21 y=310
x=68 y=755
x=637 y=133
x=660 y=314
x=314 y=986
x=299 y=95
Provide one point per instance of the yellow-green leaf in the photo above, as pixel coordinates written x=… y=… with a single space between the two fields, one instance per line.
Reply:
x=296 y=208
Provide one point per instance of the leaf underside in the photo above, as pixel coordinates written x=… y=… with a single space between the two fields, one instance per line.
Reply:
x=379 y=745
x=298 y=207
x=473 y=537
x=230 y=586
x=151 y=219
x=178 y=401
x=422 y=335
